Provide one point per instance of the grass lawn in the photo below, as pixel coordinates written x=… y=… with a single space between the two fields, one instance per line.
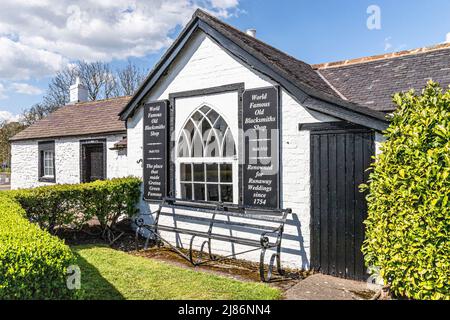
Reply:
x=112 y=274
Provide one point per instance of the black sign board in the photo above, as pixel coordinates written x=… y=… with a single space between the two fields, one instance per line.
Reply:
x=155 y=157
x=261 y=141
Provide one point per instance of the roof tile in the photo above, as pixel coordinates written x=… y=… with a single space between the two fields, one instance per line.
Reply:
x=86 y=118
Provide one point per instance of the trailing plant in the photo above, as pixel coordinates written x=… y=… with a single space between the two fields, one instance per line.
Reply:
x=72 y=206
x=33 y=264
x=408 y=224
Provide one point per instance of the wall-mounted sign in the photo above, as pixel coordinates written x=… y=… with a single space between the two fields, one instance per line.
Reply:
x=261 y=141
x=155 y=157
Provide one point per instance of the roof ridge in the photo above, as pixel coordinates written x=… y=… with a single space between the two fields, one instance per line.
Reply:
x=392 y=55
x=200 y=11
x=98 y=101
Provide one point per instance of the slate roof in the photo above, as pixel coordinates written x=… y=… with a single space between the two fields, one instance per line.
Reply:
x=305 y=83
x=354 y=88
x=81 y=119
x=302 y=73
x=371 y=81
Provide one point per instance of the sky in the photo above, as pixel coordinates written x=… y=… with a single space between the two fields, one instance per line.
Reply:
x=39 y=37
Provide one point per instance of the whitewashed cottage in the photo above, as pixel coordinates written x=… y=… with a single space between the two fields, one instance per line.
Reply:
x=80 y=142
x=187 y=131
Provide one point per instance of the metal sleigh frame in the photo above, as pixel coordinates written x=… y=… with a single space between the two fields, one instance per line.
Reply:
x=229 y=210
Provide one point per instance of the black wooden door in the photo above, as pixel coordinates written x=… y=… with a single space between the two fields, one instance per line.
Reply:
x=93 y=163
x=339 y=160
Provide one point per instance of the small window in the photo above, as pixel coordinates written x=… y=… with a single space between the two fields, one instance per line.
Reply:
x=47 y=161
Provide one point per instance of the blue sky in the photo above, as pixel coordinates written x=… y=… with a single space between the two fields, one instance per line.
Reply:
x=312 y=31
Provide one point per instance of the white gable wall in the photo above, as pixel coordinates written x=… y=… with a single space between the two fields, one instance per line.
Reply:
x=204 y=64
x=25 y=162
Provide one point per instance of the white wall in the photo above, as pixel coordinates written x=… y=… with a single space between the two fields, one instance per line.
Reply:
x=203 y=64
x=379 y=139
x=24 y=171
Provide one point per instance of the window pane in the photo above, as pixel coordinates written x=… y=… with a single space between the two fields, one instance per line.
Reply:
x=197 y=116
x=185 y=172
x=199 y=172
x=226 y=172
x=205 y=109
x=213 y=192
x=199 y=191
x=212 y=172
x=48 y=163
x=212 y=146
x=206 y=129
x=197 y=145
x=212 y=116
x=183 y=147
x=186 y=191
x=229 y=149
x=221 y=125
x=226 y=193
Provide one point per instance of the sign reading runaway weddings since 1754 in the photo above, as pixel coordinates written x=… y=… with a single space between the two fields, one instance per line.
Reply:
x=155 y=150
x=261 y=141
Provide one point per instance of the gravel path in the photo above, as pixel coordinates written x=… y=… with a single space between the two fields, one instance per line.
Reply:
x=323 y=287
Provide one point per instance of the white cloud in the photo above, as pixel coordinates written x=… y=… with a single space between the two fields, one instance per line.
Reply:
x=25 y=88
x=447 y=38
x=225 y=4
x=19 y=61
x=39 y=37
x=8 y=116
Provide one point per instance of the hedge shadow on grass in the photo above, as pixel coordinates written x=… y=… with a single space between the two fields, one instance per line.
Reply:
x=93 y=285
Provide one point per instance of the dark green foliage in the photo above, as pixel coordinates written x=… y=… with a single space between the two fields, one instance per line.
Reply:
x=33 y=264
x=73 y=205
x=408 y=227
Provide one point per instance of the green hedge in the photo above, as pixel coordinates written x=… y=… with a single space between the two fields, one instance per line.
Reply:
x=33 y=263
x=74 y=205
x=408 y=225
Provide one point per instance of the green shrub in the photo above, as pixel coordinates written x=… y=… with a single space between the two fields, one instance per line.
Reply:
x=33 y=263
x=408 y=225
x=53 y=207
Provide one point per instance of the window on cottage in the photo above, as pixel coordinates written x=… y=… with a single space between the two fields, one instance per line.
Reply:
x=48 y=164
x=47 y=161
x=206 y=158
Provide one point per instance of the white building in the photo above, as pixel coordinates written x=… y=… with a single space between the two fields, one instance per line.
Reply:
x=329 y=118
x=80 y=142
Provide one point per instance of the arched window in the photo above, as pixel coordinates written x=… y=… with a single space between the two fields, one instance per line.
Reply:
x=206 y=157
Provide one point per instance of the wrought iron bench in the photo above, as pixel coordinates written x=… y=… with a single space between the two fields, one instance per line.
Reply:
x=275 y=218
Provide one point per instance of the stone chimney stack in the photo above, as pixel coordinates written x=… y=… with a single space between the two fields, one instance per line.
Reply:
x=78 y=92
x=251 y=33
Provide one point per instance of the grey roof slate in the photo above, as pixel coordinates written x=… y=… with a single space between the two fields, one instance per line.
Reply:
x=302 y=73
x=372 y=83
x=80 y=119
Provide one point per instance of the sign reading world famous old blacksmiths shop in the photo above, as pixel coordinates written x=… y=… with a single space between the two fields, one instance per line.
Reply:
x=261 y=141
x=155 y=150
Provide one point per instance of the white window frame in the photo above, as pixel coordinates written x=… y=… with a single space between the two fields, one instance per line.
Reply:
x=233 y=160
x=48 y=164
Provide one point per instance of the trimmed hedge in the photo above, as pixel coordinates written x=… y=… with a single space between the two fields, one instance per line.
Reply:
x=33 y=263
x=73 y=205
x=408 y=225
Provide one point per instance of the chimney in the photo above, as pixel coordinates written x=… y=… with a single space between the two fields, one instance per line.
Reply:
x=78 y=92
x=251 y=32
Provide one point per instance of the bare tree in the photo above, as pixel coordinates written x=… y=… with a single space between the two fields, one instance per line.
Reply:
x=37 y=112
x=98 y=79
x=129 y=79
x=58 y=89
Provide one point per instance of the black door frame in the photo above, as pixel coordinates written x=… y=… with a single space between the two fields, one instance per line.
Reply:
x=332 y=128
x=86 y=143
